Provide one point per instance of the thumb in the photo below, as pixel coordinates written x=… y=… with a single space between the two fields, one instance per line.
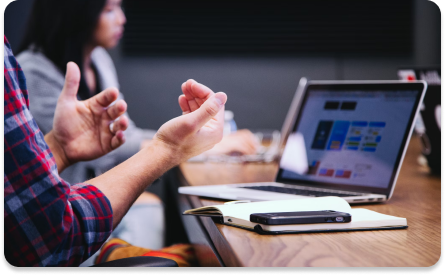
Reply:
x=72 y=79
x=208 y=110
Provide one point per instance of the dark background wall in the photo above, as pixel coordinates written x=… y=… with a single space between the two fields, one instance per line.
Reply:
x=260 y=86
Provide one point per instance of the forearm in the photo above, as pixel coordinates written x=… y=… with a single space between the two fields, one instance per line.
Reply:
x=123 y=184
x=62 y=161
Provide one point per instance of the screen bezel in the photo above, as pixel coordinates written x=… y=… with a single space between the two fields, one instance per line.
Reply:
x=360 y=86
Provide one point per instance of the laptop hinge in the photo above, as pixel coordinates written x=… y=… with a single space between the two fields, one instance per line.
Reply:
x=329 y=188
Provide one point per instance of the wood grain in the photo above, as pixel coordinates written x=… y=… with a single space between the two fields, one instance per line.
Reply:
x=416 y=197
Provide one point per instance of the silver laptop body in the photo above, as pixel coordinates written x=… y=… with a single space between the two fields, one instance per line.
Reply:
x=343 y=138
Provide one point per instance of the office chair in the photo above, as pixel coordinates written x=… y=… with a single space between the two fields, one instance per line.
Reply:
x=142 y=261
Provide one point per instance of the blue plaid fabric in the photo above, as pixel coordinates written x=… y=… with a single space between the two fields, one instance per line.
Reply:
x=47 y=221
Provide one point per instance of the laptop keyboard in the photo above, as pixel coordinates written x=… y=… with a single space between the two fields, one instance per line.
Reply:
x=294 y=191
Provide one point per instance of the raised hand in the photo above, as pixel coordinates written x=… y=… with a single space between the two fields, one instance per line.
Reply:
x=194 y=95
x=201 y=125
x=81 y=129
x=242 y=141
x=179 y=139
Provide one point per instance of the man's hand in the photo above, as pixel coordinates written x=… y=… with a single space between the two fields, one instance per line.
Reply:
x=199 y=128
x=81 y=129
x=241 y=142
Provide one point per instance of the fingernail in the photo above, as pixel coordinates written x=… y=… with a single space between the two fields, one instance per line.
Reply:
x=220 y=98
x=219 y=101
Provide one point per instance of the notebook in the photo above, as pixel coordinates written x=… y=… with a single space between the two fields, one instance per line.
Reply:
x=238 y=215
x=348 y=139
x=276 y=138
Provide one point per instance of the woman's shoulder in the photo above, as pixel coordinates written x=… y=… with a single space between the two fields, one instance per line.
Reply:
x=35 y=63
x=105 y=67
x=102 y=59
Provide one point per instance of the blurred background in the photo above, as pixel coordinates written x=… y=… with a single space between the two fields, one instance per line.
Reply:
x=256 y=51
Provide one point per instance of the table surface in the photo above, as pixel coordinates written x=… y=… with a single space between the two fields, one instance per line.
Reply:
x=416 y=197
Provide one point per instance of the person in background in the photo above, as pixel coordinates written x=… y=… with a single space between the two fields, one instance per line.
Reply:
x=81 y=31
x=49 y=222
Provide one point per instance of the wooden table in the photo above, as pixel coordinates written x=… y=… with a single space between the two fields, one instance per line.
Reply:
x=416 y=197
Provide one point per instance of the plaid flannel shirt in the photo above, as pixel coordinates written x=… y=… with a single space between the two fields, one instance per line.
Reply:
x=47 y=221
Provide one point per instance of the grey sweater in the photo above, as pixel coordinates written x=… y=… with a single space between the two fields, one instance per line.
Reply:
x=45 y=82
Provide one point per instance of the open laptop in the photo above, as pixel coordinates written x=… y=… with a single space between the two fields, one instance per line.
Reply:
x=271 y=152
x=277 y=139
x=428 y=123
x=348 y=139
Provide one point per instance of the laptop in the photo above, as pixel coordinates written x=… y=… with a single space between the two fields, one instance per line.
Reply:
x=277 y=139
x=348 y=139
x=428 y=123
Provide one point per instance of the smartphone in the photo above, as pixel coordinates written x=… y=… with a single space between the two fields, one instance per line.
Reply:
x=301 y=217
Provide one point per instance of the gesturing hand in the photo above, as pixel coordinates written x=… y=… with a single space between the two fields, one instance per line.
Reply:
x=240 y=142
x=201 y=125
x=81 y=129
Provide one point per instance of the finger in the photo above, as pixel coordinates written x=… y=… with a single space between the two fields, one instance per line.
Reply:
x=250 y=149
x=72 y=79
x=183 y=103
x=186 y=89
x=120 y=125
x=193 y=105
x=200 y=101
x=117 y=109
x=105 y=98
x=196 y=93
x=118 y=139
x=200 y=91
x=210 y=109
x=248 y=137
x=242 y=146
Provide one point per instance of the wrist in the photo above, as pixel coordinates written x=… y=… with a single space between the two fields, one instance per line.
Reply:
x=164 y=152
x=58 y=152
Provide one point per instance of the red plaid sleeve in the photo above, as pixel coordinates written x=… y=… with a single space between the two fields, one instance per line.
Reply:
x=47 y=221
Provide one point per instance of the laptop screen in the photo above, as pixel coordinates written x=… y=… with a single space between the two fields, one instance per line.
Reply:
x=351 y=135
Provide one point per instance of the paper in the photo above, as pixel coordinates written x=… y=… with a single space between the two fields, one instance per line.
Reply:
x=294 y=156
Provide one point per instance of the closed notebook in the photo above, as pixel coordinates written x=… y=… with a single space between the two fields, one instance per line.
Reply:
x=238 y=214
